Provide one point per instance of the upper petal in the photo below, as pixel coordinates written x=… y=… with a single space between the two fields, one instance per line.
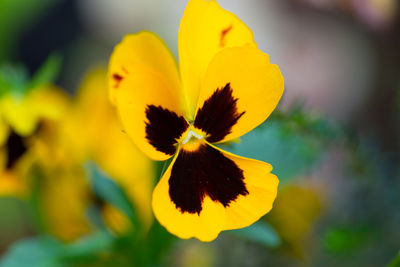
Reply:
x=205 y=29
x=144 y=87
x=187 y=220
x=143 y=50
x=243 y=78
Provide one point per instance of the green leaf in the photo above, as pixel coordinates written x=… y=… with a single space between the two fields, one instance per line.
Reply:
x=46 y=251
x=261 y=233
x=48 y=72
x=345 y=239
x=16 y=16
x=87 y=248
x=395 y=262
x=14 y=79
x=293 y=142
x=33 y=252
x=290 y=153
x=109 y=191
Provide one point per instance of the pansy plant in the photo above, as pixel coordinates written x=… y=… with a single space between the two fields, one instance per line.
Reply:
x=223 y=89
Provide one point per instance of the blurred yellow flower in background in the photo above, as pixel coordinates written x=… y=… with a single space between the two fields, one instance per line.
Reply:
x=90 y=131
x=110 y=147
x=21 y=116
x=295 y=212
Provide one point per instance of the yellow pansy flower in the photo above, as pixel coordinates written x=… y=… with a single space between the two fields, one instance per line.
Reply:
x=224 y=88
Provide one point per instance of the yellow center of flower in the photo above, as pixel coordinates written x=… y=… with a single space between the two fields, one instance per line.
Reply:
x=191 y=139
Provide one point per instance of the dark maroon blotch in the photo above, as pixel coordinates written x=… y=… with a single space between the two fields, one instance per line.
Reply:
x=218 y=114
x=117 y=78
x=163 y=128
x=15 y=149
x=204 y=172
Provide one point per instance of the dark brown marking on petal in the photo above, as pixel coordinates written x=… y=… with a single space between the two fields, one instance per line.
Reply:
x=117 y=78
x=218 y=114
x=15 y=149
x=204 y=172
x=224 y=32
x=163 y=128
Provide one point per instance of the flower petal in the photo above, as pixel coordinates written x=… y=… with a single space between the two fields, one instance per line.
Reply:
x=255 y=87
x=11 y=185
x=23 y=113
x=143 y=50
x=144 y=86
x=4 y=131
x=205 y=29
x=214 y=216
x=71 y=192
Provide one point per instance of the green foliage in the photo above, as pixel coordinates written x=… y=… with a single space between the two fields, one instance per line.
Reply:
x=15 y=78
x=48 y=72
x=46 y=251
x=109 y=191
x=395 y=262
x=35 y=252
x=261 y=233
x=345 y=239
x=294 y=138
x=14 y=16
x=15 y=222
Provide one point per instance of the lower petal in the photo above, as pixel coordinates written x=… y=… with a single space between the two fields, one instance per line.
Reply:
x=214 y=217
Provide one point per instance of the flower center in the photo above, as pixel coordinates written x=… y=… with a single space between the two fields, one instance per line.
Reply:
x=192 y=138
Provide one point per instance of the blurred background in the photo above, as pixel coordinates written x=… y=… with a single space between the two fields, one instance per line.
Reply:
x=67 y=197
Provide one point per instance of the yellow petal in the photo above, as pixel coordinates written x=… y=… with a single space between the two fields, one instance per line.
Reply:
x=4 y=130
x=143 y=50
x=49 y=103
x=19 y=114
x=3 y=159
x=115 y=219
x=205 y=29
x=142 y=72
x=11 y=184
x=140 y=90
x=69 y=192
x=214 y=217
x=256 y=84
x=295 y=212
x=23 y=113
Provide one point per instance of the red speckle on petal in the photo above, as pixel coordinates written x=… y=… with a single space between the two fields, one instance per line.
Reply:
x=125 y=70
x=224 y=32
